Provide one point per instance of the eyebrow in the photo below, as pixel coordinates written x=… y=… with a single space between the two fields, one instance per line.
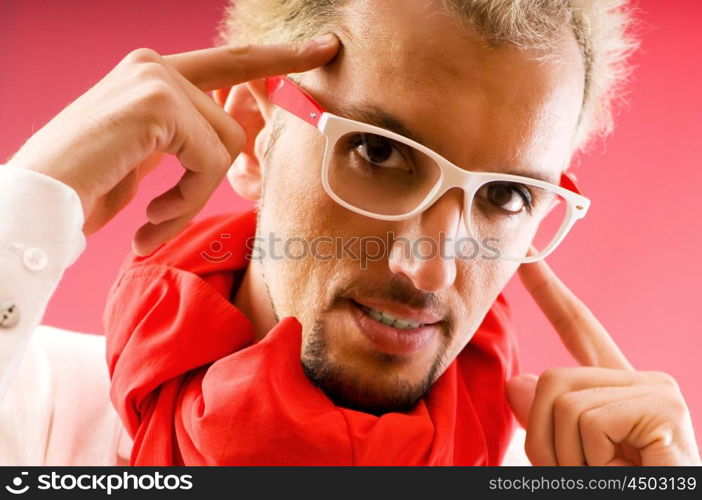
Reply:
x=538 y=175
x=374 y=115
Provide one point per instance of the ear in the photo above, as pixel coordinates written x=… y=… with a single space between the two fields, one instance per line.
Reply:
x=248 y=104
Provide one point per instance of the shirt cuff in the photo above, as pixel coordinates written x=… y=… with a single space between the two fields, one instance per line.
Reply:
x=40 y=218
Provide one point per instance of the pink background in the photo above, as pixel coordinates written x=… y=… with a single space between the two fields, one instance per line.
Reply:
x=635 y=260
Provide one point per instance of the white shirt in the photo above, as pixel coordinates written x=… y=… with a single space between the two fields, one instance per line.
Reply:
x=54 y=384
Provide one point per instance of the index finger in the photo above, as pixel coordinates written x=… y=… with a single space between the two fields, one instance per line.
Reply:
x=583 y=335
x=221 y=67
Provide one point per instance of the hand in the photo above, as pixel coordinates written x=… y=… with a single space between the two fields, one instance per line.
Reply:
x=601 y=413
x=104 y=143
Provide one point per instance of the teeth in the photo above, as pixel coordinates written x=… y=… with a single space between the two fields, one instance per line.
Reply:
x=378 y=316
x=389 y=320
x=401 y=324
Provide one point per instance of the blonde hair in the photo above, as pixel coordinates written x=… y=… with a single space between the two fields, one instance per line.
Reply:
x=603 y=30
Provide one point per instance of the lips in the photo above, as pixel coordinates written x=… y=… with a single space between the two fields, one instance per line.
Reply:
x=402 y=339
x=401 y=311
x=390 y=320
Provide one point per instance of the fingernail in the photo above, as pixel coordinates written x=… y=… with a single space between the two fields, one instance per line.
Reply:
x=324 y=39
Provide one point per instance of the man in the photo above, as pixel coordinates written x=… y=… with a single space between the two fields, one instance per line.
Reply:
x=205 y=355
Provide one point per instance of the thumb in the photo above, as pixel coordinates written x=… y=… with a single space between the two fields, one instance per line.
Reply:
x=520 y=392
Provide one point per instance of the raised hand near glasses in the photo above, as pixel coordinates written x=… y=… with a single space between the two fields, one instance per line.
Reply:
x=105 y=142
x=603 y=412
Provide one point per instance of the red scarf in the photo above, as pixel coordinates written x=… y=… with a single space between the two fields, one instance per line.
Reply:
x=192 y=387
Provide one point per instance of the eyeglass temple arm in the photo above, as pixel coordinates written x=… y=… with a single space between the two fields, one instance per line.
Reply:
x=283 y=92
x=568 y=181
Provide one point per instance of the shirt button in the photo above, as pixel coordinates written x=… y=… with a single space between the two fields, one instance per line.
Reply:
x=9 y=314
x=35 y=259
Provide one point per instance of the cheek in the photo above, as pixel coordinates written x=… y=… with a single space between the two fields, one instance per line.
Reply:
x=293 y=183
x=478 y=284
x=294 y=207
x=480 y=281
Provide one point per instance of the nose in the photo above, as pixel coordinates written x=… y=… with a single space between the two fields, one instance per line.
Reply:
x=423 y=248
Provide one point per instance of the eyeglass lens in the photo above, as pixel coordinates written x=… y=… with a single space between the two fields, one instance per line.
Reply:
x=388 y=178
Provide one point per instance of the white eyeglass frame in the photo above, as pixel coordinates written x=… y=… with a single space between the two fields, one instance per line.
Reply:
x=286 y=94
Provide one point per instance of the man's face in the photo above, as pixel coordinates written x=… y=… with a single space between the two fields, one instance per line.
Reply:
x=483 y=109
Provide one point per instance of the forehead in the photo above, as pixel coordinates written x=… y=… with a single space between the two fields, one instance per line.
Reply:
x=488 y=107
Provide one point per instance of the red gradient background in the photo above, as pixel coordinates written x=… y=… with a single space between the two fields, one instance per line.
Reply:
x=635 y=260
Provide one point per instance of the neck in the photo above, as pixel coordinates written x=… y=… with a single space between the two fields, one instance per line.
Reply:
x=253 y=300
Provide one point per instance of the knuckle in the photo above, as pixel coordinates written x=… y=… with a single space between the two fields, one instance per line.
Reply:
x=664 y=378
x=148 y=71
x=154 y=106
x=155 y=134
x=142 y=55
x=303 y=54
x=679 y=408
x=552 y=377
x=566 y=405
x=241 y=53
x=240 y=50
x=302 y=48
x=156 y=95
x=589 y=420
x=676 y=406
x=672 y=400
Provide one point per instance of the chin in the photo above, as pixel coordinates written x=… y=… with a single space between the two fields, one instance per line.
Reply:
x=375 y=397
x=384 y=388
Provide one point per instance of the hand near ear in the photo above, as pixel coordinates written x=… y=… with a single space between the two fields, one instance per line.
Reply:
x=104 y=143
x=603 y=412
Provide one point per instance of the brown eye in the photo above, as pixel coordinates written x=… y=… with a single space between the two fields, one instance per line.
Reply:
x=510 y=197
x=378 y=150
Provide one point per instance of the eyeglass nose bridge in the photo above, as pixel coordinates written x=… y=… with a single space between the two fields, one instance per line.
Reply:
x=453 y=176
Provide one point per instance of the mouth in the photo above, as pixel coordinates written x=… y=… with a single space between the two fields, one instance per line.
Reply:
x=394 y=334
